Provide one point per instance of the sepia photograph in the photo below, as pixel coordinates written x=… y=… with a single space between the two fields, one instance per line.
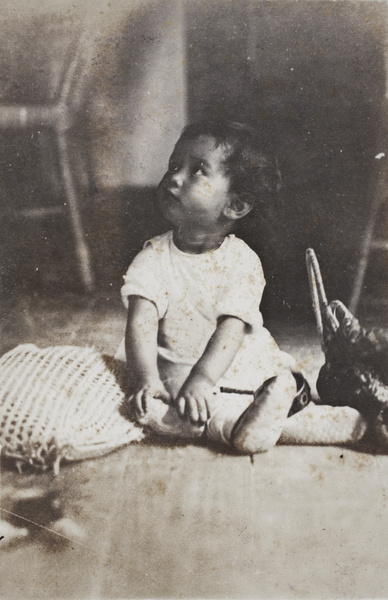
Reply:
x=193 y=299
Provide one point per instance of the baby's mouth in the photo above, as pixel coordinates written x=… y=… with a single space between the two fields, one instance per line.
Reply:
x=167 y=196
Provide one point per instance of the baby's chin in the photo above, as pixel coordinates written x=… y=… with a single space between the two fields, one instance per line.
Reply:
x=169 y=209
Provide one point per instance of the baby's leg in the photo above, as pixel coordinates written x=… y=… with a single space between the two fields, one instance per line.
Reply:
x=164 y=420
x=253 y=426
x=265 y=421
x=324 y=425
x=259 y=427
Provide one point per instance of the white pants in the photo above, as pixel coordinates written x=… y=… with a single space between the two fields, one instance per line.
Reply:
x=313 y=425
x=225 y=411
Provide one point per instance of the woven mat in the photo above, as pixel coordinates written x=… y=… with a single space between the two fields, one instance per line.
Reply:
x=61 y=403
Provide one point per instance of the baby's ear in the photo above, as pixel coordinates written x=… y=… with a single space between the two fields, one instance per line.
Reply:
x=237 y=209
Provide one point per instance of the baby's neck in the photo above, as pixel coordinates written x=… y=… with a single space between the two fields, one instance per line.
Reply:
x=195 y=242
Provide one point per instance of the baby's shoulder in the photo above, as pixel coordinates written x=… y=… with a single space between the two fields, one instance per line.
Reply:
x=151 y=255
x=241 y=251
x=159 y=242
x=155 y=247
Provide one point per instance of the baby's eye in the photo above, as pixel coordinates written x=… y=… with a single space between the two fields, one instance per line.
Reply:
x=173 y=167
x=199 y=169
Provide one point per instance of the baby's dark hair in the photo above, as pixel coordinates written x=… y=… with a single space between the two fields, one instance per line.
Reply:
x=254 y=175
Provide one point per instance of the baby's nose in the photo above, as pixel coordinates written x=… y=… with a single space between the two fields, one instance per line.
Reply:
x=176 y=178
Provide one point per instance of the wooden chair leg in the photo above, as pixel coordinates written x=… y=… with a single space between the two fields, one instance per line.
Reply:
x=82 y=249
x=370 y=242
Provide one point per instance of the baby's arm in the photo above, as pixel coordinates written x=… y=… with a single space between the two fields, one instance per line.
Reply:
x=141 y=350
x=195 y=396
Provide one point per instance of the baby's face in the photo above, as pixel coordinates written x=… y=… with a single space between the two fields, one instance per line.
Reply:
x=195 y=189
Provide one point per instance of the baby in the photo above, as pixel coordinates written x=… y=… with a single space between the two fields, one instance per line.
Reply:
x=194 y=326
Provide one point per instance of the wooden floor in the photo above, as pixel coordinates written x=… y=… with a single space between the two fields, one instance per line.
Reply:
x=186 y=521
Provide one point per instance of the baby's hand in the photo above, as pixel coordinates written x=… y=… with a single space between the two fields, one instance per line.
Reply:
x=195 y=399
x=141 y=395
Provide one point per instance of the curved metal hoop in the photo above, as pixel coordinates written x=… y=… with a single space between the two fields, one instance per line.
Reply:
x=324 y=316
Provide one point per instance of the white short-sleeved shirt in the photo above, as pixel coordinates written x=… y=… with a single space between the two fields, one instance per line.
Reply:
x=191 y=292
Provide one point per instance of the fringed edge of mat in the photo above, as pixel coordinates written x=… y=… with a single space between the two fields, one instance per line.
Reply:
x=48 y=455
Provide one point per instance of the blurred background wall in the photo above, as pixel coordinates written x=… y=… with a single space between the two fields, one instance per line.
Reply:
x=309 y=74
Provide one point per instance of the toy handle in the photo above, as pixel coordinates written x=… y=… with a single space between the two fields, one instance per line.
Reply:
x=324 y=316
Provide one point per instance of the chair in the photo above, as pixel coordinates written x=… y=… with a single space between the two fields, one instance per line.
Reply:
x=371 y=242
x=58 y=115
